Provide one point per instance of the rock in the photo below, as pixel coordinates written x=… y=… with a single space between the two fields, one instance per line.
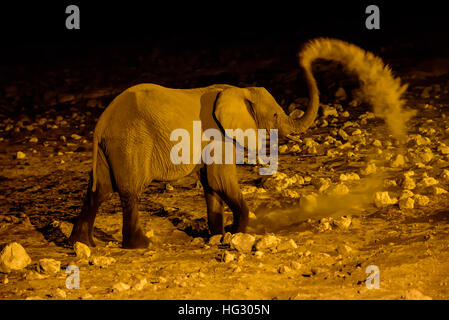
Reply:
x=427 y=182
x=406 y=194
x=242 y=242
x=343 y=222
x=75 y=136
x=120 y=287
x=369 y=169
x=33 y=140
x=198 y=241
x=20 y=155
x=408 y=183
x=13 y=257
x=324 y=225
x=60 y=294
x=86 y=296
x=356 y=132
x=426 y=155
x=227 y=257
x=295 y=149
x=49 y=266
x=349 y=177
x=406 y=203
x=102 y=261
x=82 y=251
x=398 y=162
x=377 y=143
x=287 y=245
x=215 y=240
x=382 y=199
x=344 y=249
x=445 y=175
x=443 y=149
x=418 y=140
x=139 y=285
x=283 y=149
x=33 y=275
x=226 y=239
x=295 y=265
x=343 y=134
x=421 y=200
x=322 y=184
x=284 y=269
x=414 y=294
x=339 y=189
x=437 y=191
x=268 y=242
x=329 y=111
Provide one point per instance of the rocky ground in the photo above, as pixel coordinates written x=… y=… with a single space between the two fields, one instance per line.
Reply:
x=346 y=196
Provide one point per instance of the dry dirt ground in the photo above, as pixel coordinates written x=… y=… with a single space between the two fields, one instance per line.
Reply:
x=336 y=238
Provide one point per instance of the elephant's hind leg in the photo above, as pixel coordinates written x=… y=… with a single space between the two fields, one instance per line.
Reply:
x=133 y=236
x=83 y=228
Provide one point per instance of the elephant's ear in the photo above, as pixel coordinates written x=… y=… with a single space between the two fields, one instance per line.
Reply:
x=234 y=110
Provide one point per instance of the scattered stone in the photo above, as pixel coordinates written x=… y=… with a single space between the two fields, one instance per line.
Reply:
x=437 y=191
x=33 y=140
x=13 y=257
x=322 y=184
x=283 y=149
x=421 y=200
x=198 y=241
x=406 y=194
x=242 y=242
x=82 y=251
x=408 y=183
x=295 y=265
x=215 y=240
x=295 y=149
x=75 y=136
x=120 y=287
x=377 y=143
x=343 y=134
x=49 y=266
x=339 y=189
x=343 y=222
x=324 y=225
x=382 y=199
x=406 y=203
x=426 y=155
x=349 y=177
x=414 y=294
x=427 y=182
x=443 y=149
x=268 y=242
x=344 y=249
x=398 y=162
x=284 y=269
x=61 y=294
x=370 y=169
x=139 y=285
x=20 y=155
x=329 y=111
x=258 y=254
x=287 y=245
x=227 y=257
x=102 y=261
x=86 y=296
x=227 y=239
x=445 y=175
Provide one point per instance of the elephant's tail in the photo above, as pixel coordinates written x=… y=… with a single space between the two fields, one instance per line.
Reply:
x=94 y=162
x=380 y=88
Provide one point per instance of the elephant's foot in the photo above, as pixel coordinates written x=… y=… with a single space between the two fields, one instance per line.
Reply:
x=80 y=233
x=238 y=228
x=137 y=240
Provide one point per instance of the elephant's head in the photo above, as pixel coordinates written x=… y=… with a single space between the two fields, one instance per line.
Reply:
x=255 y=108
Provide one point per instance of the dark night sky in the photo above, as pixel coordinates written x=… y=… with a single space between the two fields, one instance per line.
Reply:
x=26 y=26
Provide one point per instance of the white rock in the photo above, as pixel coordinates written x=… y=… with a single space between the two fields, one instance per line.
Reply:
x=295 y=149
x=268 y=242
x=406 y=203
x=33 y=140
x=20 y=155
x=349 y=176
x=421 y=200
x=427 y=182
x=438 y=190
x=287 y=245
x=382 y=199
x=139 y=285
x=369 y=169
x=49 y=266
x=82 y=251
x=242 y=242
x=377 y=143
x=414 y=294
x=445 y=175
x=60 y=293
x=426 y=155
x=120 y=287
x=322 y=184
x=75 y=136
x=339 y=189
x=102 y=261
x=215 y=240
x=283 y=149
x=329 y=111
x=406 y=194
x=398 y=162
x=343 y=134
x=343 y=222
x=13 y=257
x=443 y=149
x=227 y=257
x=408 y=183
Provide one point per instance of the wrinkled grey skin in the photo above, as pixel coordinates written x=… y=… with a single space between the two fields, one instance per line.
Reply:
x=132 y=148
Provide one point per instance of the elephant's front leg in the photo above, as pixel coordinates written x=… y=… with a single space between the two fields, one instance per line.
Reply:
x=222 y=179
x=214 y=206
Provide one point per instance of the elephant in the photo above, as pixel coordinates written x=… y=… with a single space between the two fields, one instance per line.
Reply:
x=131 y=141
